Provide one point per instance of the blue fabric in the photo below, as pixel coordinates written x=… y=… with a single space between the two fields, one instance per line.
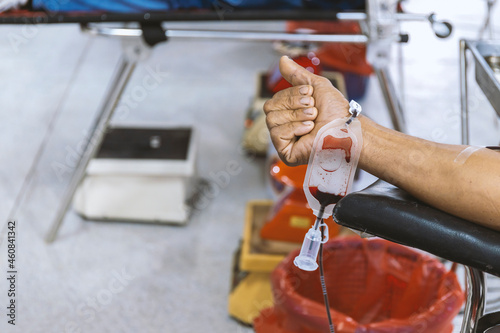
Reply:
x=119 y=6
x=137 y=6
x=281 y=4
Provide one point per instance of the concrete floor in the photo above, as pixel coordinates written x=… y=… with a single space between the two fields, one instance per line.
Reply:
x=122 y=277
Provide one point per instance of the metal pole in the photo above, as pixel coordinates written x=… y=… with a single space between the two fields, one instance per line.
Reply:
x=121 y=77
x=474 y=308
x=225 y=34
x=464 y=108
x=491 y=4
x=391 y=99
x=401 y=75
x=266 y=36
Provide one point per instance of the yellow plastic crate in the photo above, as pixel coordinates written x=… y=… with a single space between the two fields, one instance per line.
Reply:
x=257 y=254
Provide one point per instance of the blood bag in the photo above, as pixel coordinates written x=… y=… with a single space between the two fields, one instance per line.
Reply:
x=332 y=164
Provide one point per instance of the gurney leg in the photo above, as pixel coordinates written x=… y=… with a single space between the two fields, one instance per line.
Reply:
x=123 y=72
x=391 y=99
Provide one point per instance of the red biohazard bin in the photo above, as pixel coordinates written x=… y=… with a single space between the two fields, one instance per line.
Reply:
x=374 y=286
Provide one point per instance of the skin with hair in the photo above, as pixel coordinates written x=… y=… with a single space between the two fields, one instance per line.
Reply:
x=427 y=170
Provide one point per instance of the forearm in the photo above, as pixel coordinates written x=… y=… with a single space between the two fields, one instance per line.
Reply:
x=469 y=187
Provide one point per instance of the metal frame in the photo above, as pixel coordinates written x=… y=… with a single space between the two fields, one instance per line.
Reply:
x=464 y=93
x=476 y=299
x=476 y=290
x=484 y=77
x=97 y=30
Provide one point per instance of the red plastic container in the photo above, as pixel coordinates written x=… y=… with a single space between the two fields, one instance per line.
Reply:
x=374 y=286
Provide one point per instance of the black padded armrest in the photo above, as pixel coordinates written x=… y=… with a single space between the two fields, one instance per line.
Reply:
x=386 y=211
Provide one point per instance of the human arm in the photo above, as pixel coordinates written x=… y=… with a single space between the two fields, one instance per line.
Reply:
x=468 y=187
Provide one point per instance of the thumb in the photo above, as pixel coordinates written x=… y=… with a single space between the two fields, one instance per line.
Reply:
x=294 y=73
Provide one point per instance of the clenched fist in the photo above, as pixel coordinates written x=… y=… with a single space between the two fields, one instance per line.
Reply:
x=296 y=114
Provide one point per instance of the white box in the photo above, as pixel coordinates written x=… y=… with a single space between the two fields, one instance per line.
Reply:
x=141 y=174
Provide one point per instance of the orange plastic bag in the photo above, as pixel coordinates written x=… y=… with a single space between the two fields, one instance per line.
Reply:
x=374 y=286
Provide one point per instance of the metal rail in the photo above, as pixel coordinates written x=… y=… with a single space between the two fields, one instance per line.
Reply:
x=224 y=34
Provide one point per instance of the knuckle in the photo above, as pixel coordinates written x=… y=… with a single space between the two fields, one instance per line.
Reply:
x=290 y=126
x=324 y=80
x=280 y=95
x=269 y=121
x=267 y=105
x=287 y=91
x=298 y=114
x=290 y=117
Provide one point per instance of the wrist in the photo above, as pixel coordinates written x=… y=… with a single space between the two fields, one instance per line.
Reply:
x=367 y=126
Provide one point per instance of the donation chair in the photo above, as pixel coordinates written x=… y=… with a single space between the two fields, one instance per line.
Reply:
x=388 y=212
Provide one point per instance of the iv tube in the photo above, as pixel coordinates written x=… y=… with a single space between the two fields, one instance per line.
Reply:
x=318 y=234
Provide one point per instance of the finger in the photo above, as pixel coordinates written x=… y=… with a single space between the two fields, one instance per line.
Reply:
x=278 y=118
x=286 y=135
x=282 y=99
x=297 y=90
x=288 y=102
x=294 y=73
